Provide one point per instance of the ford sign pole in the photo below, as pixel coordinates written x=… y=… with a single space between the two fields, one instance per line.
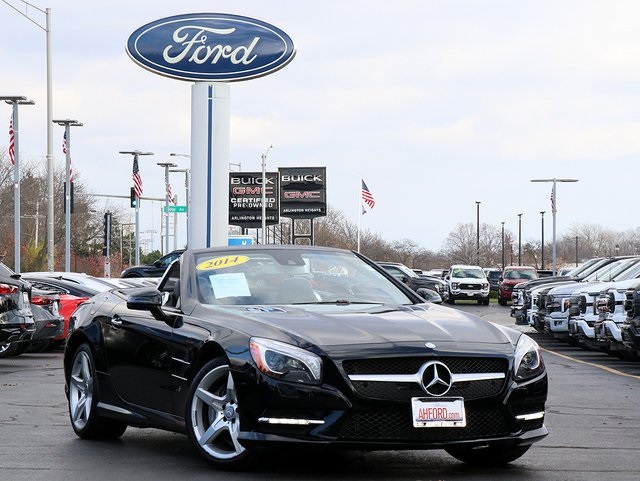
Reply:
x=554 y=201
x=210 y=49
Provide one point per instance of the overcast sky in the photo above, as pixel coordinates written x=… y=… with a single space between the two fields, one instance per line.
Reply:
x=435 y=104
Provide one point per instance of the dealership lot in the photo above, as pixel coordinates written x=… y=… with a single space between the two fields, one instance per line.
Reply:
x=592 y=416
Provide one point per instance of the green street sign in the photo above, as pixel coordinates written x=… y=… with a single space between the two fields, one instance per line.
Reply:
x=180 y=209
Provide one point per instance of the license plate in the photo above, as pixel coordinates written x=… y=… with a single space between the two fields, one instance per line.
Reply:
x=438 y=413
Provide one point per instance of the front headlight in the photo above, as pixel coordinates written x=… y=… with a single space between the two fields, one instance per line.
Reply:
x=528 y=361
x=285 y=362
x=454 y=285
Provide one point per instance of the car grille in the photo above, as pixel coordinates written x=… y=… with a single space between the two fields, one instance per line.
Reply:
x=464 y=286
x=396 y=425
x=403 y=391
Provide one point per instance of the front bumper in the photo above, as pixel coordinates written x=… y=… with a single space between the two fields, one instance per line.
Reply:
x=16 y=328
x=322 y=415
x=557 y=322
x=472 y=295
x=631 y=335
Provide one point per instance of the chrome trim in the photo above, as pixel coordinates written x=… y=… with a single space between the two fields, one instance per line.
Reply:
x=290 y=421
x=179 y=377
x=417 y=377
x=111 y=407
x=180 y=360
x=530 y=417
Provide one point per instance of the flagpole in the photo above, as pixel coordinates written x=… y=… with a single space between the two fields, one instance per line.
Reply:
x=359 y=211
x=66 y=150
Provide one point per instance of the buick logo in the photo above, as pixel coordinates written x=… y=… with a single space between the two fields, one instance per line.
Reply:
x=436 y=378
x=210 y=47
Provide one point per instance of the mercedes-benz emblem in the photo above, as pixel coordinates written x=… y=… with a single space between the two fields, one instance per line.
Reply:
x=436 y=378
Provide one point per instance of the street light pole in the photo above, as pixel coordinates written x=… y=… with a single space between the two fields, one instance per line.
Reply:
x=542 y=242
x=187 y=182
x=554 y=199
x=67 y=124
x=502 y=244
x=136 y=154
x=519 y=239
x=50 y=163
x=187 y=187
x=167 y=200
x=478 y=232
x=264 y=195
x=14 y=101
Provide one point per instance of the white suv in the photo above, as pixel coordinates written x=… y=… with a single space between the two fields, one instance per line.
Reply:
x=467 y=282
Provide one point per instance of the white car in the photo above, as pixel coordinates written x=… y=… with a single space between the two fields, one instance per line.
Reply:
x=467 y=282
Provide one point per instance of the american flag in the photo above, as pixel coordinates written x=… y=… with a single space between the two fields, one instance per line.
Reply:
x=64 y=151
x=137 y=180
x=170 y=193
x=367 y=198
x=12 y=142
x=553 y=203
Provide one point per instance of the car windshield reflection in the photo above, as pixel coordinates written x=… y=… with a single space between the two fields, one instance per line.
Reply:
x=287 y=276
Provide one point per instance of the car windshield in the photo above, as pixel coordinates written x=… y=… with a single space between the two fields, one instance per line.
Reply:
x=468 y=272
x=520 y=274
x=291 y=276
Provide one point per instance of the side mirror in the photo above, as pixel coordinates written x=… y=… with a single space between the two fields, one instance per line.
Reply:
x=405 y=279
x=144 y=299
x=429 y=295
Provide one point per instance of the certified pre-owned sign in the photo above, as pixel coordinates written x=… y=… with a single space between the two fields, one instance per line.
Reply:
x=210 y=47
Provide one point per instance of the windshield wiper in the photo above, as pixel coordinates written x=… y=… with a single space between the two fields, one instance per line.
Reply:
x=339 y=302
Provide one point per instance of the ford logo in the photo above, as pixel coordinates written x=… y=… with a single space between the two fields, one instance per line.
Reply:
x=210 y=47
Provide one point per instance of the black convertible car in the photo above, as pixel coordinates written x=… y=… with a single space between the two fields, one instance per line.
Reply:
x=250 y=347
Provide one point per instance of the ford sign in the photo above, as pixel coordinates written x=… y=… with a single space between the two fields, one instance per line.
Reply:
x=212 y=47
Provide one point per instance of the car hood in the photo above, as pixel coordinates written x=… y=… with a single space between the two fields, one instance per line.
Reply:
x=513 y=282
x=327 y=326
x=567 y=290
x=468 y=280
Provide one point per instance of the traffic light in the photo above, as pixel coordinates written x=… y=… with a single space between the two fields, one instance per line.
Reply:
x=134 y=199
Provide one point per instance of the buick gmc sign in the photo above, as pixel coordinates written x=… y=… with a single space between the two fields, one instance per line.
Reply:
x=210 y=47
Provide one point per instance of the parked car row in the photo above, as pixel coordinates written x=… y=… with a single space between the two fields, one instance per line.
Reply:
x=594 y=306
x=417 y=281
x=36 y=307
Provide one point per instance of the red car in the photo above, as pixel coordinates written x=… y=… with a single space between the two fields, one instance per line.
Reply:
x=71 y=295
x=512 y=275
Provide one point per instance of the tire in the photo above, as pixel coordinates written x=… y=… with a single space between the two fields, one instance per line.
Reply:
x=83 y=400
x=491 y=456
x=485 y=302
x=212 y=417
x=12 y=349
x=501 y=301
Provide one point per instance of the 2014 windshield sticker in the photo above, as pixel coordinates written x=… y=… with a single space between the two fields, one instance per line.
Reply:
x=222 y=262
